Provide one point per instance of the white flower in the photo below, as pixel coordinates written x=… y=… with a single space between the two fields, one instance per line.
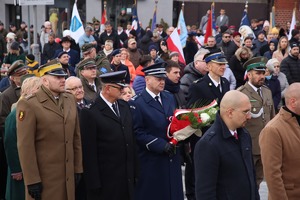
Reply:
x=204 y=117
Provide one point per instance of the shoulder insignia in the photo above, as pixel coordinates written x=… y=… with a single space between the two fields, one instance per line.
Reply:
x=29 y=96
x=21 y=115
x=198 y=80
x=135 y=97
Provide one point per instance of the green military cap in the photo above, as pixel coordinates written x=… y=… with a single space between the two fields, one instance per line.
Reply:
x=86 y=63
x=89 y=24
x=256 y=63
x=18 y=68
x=53 y=68
x=87 y=47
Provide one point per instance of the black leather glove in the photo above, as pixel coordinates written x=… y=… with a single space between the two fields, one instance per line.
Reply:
x=170 y=149
x=77 y=179
x=35 y=190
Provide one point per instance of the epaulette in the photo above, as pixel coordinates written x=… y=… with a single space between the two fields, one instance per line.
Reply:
x=240 y=88
x=135 y=97
x=198 y=80
x=29 y=96
x=266 y=87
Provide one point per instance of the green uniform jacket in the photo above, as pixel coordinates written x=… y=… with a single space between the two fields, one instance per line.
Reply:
x=15 y=190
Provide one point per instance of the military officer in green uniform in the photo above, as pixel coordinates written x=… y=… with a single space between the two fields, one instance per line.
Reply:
x=262 y=107
x=102 y=62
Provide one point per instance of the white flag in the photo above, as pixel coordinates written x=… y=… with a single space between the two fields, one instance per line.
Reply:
x=293 y=24
x=76 y=26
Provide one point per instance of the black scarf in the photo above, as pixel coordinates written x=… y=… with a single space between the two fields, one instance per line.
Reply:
x=171 y=86
x=293 y=114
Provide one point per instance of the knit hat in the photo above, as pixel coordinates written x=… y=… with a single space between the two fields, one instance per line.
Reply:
x=173 y=53
x=266 y=23
x=133 y=32
x=236 y=33
x=30 y=58
x=151 y=47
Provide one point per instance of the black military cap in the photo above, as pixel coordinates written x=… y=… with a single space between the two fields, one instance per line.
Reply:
x=87 y=47
x=65 y=39
x=116 y=52
x=256 y=63
x=53 y=68
x=114 y=77
x=216 y=56
x=157 y=70
x=18 y=68
x=86 y=63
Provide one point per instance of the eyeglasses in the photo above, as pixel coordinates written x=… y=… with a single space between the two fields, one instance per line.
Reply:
x=119 y=88
x=247 y=113
x=74 y=89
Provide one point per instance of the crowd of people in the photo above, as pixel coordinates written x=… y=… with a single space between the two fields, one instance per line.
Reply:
x=89 y=121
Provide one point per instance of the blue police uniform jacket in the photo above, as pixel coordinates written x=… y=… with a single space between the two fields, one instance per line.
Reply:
x=160 y=175
x=204 y=89
x=223 y=165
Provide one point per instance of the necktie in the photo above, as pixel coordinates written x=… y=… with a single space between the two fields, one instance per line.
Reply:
x=235 y=135
x=219 y=87
x=157 y=99
x=94 y=87
x=259 y=92
x=115 y=108
x=81 y=105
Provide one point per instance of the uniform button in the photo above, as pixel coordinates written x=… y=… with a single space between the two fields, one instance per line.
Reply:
x=171 y=160
x=67 y=179
x=67 y=160
x=126 y=145
x=67 y=142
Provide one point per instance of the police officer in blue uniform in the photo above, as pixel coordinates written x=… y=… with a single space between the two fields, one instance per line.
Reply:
x=203 y=91
x=160 y=168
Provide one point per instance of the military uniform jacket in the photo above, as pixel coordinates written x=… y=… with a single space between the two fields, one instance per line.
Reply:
x=204 y=89
x=262 y=111
x=49 y=143
x=160 y=175
x=109 y=151
x=89 y=93
x=7 y=98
